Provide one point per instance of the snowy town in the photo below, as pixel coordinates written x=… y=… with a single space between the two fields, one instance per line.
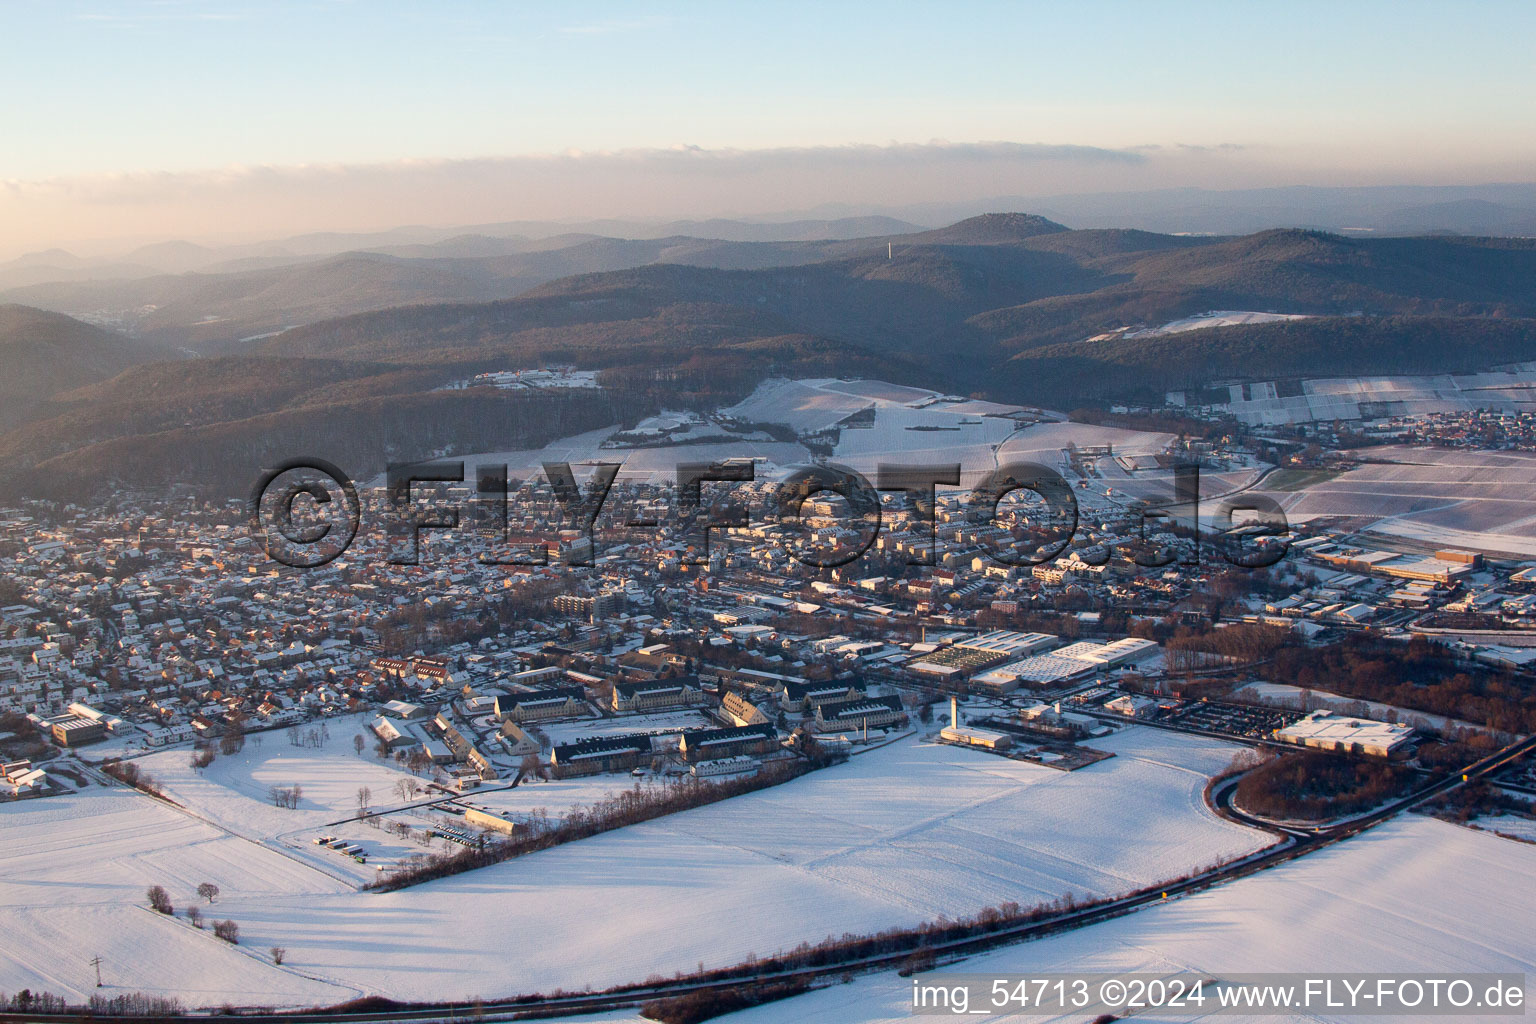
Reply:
x=627 y=668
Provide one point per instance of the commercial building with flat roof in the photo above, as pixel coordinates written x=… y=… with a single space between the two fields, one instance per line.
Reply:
x=970 y=736
x=74 y=731
x=1323 y=730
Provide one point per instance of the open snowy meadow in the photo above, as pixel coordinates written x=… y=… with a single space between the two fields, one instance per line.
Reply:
x=897 y=836
x=1415 y=894
x=73 y=875
x=1439 y=496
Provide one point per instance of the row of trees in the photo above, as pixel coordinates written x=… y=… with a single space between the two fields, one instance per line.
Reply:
x=233 y=740
x=1237 y=643
x=919 y=941
x=160 y=902
x=696 y=1007
x=130 y=774
x=315 y=736
x=129 y=1004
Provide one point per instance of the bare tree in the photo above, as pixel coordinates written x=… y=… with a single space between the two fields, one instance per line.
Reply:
x=194 y=916
x=288 y=798
x=233 y=740
x=278 y=953
x=208 y=891
x=160 y=900
x=364 y=795
x=228 y=931
x=406 y=788
x=358 y=743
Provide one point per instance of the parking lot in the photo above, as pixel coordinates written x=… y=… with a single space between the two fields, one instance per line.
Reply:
x=1232 y=719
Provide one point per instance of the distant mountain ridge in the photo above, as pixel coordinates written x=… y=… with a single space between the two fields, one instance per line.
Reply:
x=999 y=305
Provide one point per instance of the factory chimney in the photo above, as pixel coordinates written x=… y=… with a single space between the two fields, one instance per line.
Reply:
x=954 y=713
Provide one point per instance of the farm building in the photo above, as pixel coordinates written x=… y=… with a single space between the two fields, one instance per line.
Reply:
x=405 y=711
x=19 y=777
x=393 y=736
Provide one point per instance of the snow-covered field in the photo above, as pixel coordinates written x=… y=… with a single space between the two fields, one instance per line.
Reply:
x=1481 y=500
x=1413 y=895
x=1214 y=318
x=102 y=844
x=1351 y=398
x=233 y=792
x=977 y=434
x=815 y=404
x=73 y=875
x=896 y=836
x=1510 y=825
x=1050 y=440
x=553 y=796
x=1496 y=542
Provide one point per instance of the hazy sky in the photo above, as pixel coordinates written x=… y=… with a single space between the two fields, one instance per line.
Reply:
x=178 y=118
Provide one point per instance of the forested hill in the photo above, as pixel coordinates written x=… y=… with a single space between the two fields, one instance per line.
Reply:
x=972 y=303
x=44 y=353
x=1010 y=306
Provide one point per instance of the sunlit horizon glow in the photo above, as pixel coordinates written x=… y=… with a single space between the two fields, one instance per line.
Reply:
x=190 y=120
